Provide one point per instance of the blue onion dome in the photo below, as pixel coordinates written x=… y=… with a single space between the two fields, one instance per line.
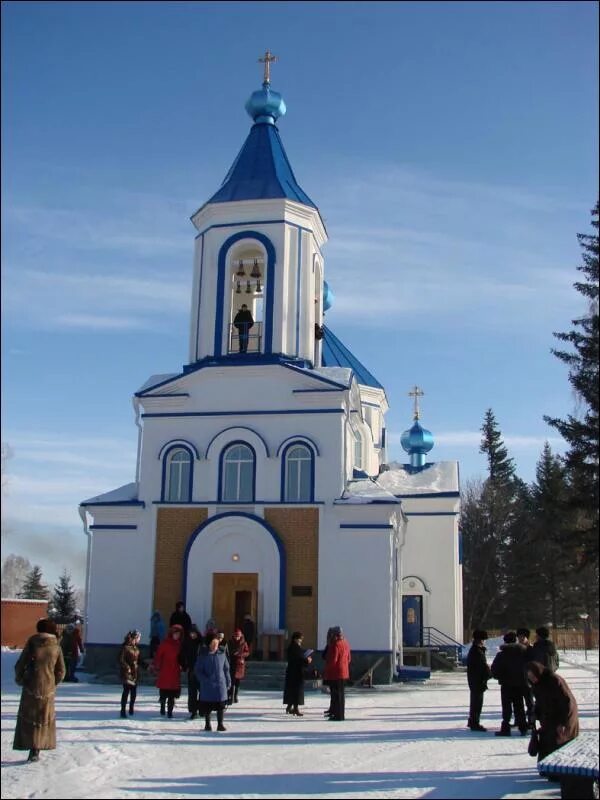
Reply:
x=265 y=105
x=417 y=440
x=328 y=297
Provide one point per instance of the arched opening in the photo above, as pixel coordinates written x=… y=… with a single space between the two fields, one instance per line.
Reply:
x=177 y=476
x=247 y=276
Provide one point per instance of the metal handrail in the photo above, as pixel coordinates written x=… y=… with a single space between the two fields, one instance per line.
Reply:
x=254 y=339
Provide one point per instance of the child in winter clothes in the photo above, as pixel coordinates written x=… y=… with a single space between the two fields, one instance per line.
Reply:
x=129 y=657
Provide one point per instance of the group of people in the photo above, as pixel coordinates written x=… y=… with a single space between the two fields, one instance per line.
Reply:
x=530 y=689
x=336 y=674
x=214 y=668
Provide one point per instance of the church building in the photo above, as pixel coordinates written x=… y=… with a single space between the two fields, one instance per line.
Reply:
x=263 y=485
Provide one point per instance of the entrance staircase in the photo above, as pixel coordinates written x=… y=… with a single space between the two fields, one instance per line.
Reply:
x=437 y=651
x=263 y=675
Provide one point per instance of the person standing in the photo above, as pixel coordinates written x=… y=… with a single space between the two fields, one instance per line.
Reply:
x=212 y=672
x=77 y=649
x=249 y=630
x=243 y=321
x=39 y=669
x=337 y=672
x=189 y=654
x=157 y=632
x=168 y=668
x=544 y=650
x=523 y=638
x=129 y=658
x=327 y=712
x=297 y=660
x=66 y=645
x=238 y=653
x=181 y=617
x=478 y=674
x=555 y=707
x=508 y=669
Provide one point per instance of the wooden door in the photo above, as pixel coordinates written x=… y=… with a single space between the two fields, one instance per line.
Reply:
x=234 y=593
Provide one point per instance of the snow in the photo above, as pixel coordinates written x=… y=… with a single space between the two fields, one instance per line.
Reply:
x=122 y=494
x=342 y=375
x=406 y=741
x=439 y=477
x=155 y=380
x=365 y=491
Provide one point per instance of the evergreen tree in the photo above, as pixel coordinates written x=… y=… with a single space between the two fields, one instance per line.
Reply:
x=501 y=468
x=33 y=588
x=63 y=599
x=582 y=431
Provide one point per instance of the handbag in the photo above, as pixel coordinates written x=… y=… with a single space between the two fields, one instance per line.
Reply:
x=534 y=743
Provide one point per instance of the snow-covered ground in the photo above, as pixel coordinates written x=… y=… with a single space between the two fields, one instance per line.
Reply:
x=405 y=741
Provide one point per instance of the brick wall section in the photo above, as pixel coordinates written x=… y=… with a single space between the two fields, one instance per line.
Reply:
x=174 y=526
x=298 y=528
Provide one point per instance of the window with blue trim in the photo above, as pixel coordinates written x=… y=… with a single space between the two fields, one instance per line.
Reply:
x=358 y=450
x=298 y=475
x=238 y=475
x=178 y=476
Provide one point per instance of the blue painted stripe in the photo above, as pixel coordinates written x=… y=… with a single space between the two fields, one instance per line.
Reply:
x=113 y=527
x=430 y=494
x=199 y=299
x=239 y=428
x=243 y=413
x=306 y=391
x=432 y=513
x=369 y=527
x=175 y=394
x=260 y=222
x=299 y=437
x=183 y=443
x=206 y=503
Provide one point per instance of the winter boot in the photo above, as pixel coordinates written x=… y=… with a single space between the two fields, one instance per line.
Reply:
x=34 y=755
x=207 y=725
x=504 y=730
x=170 y=707
x=220 y=726
x=123 y=714
x=131 y=709
x=235 y=694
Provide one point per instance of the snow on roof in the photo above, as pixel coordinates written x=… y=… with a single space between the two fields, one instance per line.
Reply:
x=124 y=494
x=440 y=477
x=154 y=380
x=365 y=490
x=341 y=375
x=336 y=354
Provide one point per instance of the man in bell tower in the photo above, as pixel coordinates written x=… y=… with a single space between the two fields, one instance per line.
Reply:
x=243 y=321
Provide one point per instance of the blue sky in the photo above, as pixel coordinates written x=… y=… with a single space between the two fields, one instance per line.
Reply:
x=451 y=149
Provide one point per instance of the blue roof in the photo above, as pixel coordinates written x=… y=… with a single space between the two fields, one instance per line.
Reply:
x=261 y=171
x=335 y=354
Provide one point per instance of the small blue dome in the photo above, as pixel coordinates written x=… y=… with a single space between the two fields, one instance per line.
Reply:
x=328 y=296
x=265 y=105
x=417 y=440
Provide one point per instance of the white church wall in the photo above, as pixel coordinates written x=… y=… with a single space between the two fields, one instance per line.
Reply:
x=120 y=586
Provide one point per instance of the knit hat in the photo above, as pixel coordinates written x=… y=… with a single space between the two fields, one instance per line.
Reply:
x=523 y=632
x=480 y=635
x=194 y=629
x=543 y=632
x=510 y=637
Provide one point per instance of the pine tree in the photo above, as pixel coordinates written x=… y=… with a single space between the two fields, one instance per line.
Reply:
x=33 y=588
x=501 y=468
x=63 y=599
x=582 y=432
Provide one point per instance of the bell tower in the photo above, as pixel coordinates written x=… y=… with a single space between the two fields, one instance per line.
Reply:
x=258 y=246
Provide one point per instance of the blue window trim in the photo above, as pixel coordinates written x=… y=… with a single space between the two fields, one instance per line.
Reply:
x=432 y=513
x=113 y=527
x=416 y=495
x=270 y=530
x=294 y=443
x=270 y=280
x=222 y=454
x=301 y=439
x=184 y=443
x=140 y=503
x=173 y=414
x=164 y=472
x=375 y=526
x=238 y=428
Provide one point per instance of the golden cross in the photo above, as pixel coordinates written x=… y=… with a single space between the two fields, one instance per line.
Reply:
x=416 y=393
x=268 y=58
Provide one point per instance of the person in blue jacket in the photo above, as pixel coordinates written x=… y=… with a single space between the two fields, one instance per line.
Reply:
x=212 y=672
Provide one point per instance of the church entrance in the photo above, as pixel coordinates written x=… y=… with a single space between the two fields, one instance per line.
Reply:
x=412 y=620
x=234 y=595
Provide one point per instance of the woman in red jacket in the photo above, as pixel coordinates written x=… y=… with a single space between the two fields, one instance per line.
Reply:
x=166 y=664
x=337 y=672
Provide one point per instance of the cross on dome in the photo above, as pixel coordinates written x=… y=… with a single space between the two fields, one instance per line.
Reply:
x=267 y=60
x=416 y=393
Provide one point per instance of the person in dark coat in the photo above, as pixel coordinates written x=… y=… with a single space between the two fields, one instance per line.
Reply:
x=66 y=645
x=129 y=657
x=324 y=652
x=293 y=690
x=523 y=638
x=337 y=672
x=555 y=708
x=478 y=674
x=157 y=632
x=39 y=670
x=248 y=627
x=508 y=669
x=544 y=650
x=212 y=672
x=243 y=321
x=167 y=664
x=189 y=654
x=181 y=617
x=238 y=653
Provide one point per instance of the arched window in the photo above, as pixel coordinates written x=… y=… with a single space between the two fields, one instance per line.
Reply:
x=178 y=475
x=358 y=450
x=237 y=475
x=298 y=474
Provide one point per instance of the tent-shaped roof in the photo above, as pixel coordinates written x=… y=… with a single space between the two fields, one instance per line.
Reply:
x=335 y=354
